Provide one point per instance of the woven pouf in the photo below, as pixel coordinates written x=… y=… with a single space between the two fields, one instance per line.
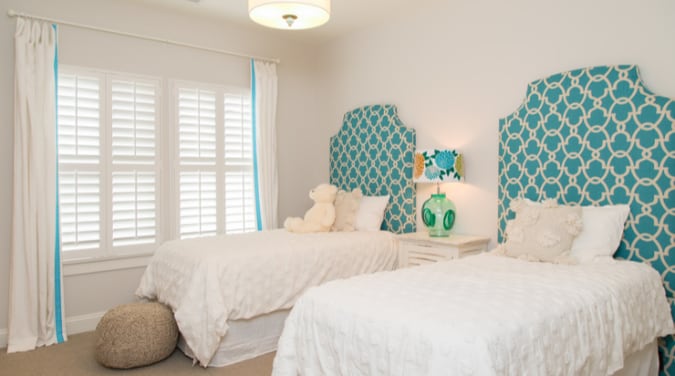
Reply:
x=136 y=334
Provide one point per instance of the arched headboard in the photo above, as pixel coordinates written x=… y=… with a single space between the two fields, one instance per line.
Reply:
x=374 y=151
x=598 y=136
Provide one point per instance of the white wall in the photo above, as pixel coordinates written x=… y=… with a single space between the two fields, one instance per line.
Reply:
x=87 y=295
x=455 y=67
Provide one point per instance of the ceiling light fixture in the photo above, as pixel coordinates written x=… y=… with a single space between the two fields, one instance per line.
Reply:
x=289 y=14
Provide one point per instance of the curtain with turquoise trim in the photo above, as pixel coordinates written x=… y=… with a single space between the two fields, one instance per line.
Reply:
x=35 y=296
x=265 y=170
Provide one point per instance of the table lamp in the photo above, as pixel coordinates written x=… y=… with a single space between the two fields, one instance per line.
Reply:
x=438 y=166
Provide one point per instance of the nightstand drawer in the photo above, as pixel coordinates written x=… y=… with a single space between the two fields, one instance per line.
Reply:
x=471 y=252
x=419 y=248
x=424 y=258
x=429 y=252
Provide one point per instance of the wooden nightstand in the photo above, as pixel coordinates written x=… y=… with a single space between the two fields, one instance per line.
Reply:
x=419 y=248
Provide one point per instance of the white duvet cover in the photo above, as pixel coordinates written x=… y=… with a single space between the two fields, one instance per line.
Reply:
x=482 y=315
x=207 y=281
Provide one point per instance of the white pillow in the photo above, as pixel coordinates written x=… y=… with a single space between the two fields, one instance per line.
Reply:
x=542 y=233
x=371 y=213
x=602 y=233
x=346 y=208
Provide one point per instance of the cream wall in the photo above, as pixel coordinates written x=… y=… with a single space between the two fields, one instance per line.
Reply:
x=87 y=295
x=455 y=67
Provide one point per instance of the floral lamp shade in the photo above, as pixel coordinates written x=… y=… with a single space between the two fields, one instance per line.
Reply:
x=438 y=166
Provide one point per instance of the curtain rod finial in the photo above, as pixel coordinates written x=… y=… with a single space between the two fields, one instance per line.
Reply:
x=11 y=12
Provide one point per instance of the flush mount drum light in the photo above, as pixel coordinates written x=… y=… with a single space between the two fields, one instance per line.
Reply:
x=291 y=15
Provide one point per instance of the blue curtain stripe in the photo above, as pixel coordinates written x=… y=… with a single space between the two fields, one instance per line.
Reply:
x=374 y=151
x=254 y=125
x=598 y=136
x=57 y=243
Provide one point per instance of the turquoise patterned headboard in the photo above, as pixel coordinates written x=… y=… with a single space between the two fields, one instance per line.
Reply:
x=598 y=136
x=374 y=151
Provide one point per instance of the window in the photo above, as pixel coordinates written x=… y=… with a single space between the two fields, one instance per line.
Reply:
x=108 y=170
x=111 y=152
x=133 y=107
x=213 y=160
x=79 y=144
x=238 y=187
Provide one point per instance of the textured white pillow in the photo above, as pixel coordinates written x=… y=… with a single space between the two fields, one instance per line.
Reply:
x=602 y=233
x=346 y=207
x=542 y=232
x=371 y=213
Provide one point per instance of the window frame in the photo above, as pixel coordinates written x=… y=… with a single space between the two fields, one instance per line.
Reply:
x=166 y=161
x=220 y=167
x=106 y=251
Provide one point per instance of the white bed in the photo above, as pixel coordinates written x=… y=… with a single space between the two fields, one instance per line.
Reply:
x=594 y=138
x=231 y=294
x=212 y=282
x=482 y=315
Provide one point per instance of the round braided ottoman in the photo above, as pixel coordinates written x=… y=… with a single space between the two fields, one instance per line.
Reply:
x=136 y=334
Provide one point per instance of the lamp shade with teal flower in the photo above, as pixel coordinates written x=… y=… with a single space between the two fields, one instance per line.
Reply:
x=438 y=166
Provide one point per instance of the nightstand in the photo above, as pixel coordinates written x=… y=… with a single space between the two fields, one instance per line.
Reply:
x=417 y=248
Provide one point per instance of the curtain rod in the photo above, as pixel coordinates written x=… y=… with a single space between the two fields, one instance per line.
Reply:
x=12 y=13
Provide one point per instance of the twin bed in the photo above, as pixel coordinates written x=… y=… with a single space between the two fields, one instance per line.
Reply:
x=481 y=315
x=231 y=294
x=587 y=137
x=224 y=285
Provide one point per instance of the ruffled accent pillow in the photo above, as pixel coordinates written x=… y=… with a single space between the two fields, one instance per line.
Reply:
x=602 y=232
x=346 y=207
x=543 y=232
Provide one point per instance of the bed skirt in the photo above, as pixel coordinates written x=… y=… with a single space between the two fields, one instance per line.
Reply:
x=644 y=362
x=246 y=339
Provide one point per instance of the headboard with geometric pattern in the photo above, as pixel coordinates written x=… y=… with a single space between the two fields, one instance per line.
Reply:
x=598 y=136
x=374 y=151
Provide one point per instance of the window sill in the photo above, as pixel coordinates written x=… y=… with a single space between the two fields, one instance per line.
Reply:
x=104 y=264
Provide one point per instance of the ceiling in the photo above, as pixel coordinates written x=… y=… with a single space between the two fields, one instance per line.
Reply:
x=346 y=15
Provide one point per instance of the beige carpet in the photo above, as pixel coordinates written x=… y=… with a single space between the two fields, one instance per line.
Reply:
x=76 y=358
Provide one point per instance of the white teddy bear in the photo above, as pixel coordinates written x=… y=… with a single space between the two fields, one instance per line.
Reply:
x=320 y=217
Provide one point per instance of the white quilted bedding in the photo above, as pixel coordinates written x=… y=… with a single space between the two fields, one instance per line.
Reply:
x=207 y=281
x=482 y=315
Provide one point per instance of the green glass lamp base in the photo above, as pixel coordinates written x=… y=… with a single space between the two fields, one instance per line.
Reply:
x=438 y=214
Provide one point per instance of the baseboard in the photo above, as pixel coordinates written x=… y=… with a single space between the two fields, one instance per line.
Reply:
x=83 y=323
x=74 y=325
x=3 y=338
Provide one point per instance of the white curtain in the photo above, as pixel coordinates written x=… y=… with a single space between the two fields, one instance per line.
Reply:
x=35 y=290
x=264 y=93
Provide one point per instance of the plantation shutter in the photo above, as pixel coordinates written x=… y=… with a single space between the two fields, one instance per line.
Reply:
x=133 y=139
x=214 y=161
x=79 y=150
x=108 y=171
x=238 y=146
x=197 y=162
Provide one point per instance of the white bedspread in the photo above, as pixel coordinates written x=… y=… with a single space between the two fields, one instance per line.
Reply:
x=482 y=315
x=207 y=281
